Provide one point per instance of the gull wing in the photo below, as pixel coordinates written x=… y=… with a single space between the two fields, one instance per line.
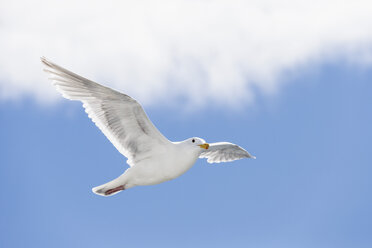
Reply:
x=121 y=118
x=224 y=152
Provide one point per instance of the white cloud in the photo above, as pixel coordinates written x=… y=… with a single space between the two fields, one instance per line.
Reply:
x=198 y=51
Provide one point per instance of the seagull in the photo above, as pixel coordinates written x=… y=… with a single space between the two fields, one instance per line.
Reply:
x=152 y=158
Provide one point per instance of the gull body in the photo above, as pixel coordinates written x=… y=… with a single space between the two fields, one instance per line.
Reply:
x=168 y=162
x=152 y=158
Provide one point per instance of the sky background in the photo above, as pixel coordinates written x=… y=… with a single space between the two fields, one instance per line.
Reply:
x=291 y=83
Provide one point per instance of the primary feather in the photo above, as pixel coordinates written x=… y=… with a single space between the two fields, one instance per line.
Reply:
x=224 y=152
x=121 y=118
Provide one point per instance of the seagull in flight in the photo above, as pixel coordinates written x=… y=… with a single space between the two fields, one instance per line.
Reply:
x=152 y=158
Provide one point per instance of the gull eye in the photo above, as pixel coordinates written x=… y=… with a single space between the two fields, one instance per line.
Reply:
x=193 y=140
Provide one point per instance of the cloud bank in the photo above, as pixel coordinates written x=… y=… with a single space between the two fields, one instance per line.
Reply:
x=181 y=51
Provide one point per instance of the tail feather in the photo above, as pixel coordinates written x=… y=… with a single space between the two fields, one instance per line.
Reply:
x=111 y=188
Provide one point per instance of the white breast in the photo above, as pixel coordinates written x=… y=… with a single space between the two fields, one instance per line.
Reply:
x=163 y=166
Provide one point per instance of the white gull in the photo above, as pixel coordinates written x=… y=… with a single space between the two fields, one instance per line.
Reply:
x=152 y=158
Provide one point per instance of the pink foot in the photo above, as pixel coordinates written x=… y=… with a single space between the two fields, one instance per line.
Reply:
x=110 y=191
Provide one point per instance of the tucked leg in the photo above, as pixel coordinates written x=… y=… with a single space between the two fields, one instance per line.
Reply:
x=111 y=191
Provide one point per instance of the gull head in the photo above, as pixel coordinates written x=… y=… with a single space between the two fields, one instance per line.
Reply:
x=197 y=142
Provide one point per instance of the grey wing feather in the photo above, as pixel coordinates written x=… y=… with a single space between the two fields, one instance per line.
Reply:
x=224 y=152
x=121 y=118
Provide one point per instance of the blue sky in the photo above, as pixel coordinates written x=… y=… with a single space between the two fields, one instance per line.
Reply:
x=289 y=81
x=309 y=186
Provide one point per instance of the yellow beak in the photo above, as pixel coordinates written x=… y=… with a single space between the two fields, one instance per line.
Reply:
x=205 y=146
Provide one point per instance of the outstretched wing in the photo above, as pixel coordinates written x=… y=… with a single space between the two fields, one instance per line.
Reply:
x=224 y=152
x=121 y=118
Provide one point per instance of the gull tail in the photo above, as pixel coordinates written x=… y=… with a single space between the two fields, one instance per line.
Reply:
x=111 y=188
